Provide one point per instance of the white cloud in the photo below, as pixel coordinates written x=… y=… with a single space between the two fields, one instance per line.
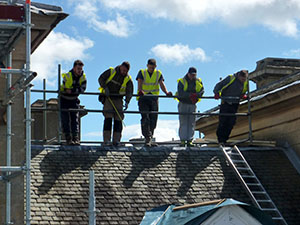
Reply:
x=166 y=130
x=178 y=53
x=277 y=15
x=89 y=12
x=58 y=48
x=293 y=53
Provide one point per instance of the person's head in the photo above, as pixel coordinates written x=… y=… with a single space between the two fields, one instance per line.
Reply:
x=124 y=68
x=192 y=73
x=242 y=75
x=151 y=65
x=77 y=67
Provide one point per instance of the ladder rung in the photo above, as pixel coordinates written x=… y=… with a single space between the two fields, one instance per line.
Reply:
x=243 y=168
x=264 y=200
x=248 y=176
x=253 y=184
x=277 y=218
x=230 y=153
x=258 y=192
x=238 y=161
x=268 y=209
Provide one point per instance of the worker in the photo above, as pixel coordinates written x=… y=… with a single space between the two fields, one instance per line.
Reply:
x=149 y=80
x=189 y=91
x=115 y=81
x=233 y=87
x=74 y=84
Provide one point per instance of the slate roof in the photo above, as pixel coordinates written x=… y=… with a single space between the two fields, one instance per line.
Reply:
x=129 y=181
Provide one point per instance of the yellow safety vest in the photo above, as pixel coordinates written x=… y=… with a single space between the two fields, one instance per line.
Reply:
x=198 y=88
x=113 y=72
x=150 y=84
x=68 y=79
x=232 y=79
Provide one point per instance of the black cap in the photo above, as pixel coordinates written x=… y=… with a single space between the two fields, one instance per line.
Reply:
x=192 y=70
x=152 y=62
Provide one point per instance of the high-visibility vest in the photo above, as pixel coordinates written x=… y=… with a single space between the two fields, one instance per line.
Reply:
x=232 y=79
x=113 y=72
x=198 y=88
x=68 y=81
x=150 y=84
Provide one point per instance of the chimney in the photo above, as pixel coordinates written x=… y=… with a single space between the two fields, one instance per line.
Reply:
x=269 y=70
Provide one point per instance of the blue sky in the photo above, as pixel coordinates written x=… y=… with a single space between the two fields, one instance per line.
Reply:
x=218 y=37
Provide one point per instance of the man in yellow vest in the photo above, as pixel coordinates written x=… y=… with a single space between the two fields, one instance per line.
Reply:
x=189 y=91
x=115 y=81
x=150 y=80
x=74 y=83
x=234 y=87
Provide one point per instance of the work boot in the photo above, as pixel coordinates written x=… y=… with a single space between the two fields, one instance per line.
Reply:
x=68 y=139
x=148 y=141
x=153 y=144
x=116 y=138
x=190 y=144
x=76 y=140
x=182 y=144
x=107 y=138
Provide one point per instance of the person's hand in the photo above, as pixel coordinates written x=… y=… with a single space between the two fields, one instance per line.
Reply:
x=169 y=93
x=106 y=91
x=126 y=105
x=194 y=98
x=141 y=93
x=217 y=96
x=68 y=91
x=244 y=97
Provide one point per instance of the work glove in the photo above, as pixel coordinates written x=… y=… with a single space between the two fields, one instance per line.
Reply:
x=194 y=98
x=244 y=97
x=141 y=93
x=169 y=93
x=126 y=105
x=106 y=91
x=217 y=96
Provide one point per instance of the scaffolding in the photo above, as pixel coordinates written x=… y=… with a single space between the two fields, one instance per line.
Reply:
x=58 y=139
x=12 y=26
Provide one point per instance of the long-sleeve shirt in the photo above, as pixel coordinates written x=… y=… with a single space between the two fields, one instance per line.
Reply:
x=115 y=84
x=233 y=90
x=184 y=96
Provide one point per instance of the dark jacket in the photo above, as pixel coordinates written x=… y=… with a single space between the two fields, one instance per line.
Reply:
x=233 y=90
x=77 y=88
x=184 y=96
x=115 y=84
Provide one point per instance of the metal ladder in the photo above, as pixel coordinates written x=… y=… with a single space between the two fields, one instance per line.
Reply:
x=251 y=183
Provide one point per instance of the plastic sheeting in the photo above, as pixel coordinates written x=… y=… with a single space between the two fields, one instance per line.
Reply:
x=165 y=215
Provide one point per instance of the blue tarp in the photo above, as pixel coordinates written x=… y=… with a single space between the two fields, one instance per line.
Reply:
x=165 y=215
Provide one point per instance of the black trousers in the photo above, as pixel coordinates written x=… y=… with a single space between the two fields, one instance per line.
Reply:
x=148 y=121
x=70 y=120
x=226 y=123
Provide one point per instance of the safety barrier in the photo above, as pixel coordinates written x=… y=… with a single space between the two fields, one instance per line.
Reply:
x=45 y=109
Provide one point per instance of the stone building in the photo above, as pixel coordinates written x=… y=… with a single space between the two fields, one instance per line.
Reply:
x=45 y=18
x=274 y=105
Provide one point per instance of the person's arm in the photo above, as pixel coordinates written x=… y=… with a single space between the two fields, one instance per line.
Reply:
x=221 y=84
x=103 y=77
x=163 y=86
x=129 y=91
x=200 y=93
x=82 y=87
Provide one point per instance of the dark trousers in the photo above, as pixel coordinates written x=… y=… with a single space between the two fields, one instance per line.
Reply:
x=148 y=121
x=69 y=120
x=226 y=123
